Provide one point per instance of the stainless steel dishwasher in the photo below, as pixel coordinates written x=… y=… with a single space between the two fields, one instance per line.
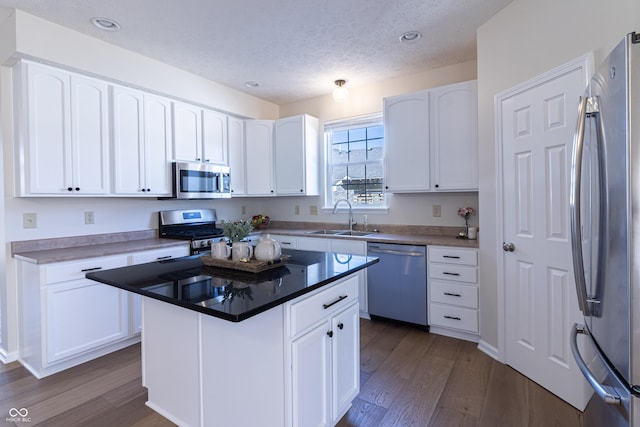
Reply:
x=397 y=285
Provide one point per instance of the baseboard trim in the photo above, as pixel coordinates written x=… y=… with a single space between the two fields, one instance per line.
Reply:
x=489 y=350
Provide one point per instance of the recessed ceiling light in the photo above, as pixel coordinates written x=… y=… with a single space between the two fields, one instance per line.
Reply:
x=251 y=84
x=105 y=24
x=410 y=36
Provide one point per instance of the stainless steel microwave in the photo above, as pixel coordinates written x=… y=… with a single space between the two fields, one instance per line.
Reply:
x=200 y=181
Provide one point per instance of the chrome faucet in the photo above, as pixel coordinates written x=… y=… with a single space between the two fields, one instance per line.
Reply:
x=335 y=208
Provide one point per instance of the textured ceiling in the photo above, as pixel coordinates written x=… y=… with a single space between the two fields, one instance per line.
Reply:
x=295 y=49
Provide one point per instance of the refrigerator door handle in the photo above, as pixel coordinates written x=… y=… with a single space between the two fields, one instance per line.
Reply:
x=574 y=208
x=606 y=393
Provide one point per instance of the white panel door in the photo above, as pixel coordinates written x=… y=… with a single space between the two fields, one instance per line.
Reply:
x=259 y=157
x=236 y=155
x=289 y=155
x=540 y=301
x=187 y=132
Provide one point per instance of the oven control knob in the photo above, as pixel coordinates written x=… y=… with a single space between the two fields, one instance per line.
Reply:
x=209 y=242
x=194 y=244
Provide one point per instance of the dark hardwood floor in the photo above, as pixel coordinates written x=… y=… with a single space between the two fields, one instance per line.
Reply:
x=408 y=378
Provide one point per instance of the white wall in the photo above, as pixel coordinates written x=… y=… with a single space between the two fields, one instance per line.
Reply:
x=525 y=39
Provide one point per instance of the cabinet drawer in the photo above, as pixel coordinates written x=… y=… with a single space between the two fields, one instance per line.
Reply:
x=453 y=255
x=65 y=271
x=453 y=317
x=322 y=305
x=459 y=273
x=454 y=294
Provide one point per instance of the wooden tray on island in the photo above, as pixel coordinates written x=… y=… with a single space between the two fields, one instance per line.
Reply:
x=251 y=266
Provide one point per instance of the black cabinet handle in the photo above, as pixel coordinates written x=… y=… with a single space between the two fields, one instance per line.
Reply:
x=452 y=295
x=143 y=190
x=163 y=257
x=148 y=190
x=450 y=256
x=69 y=189
x=450 y=274
x=452 y=318
x=340 y=325
x=437 y=186
x=91 y=269
x=330 y=333
x=340 y=298
x=77 y=188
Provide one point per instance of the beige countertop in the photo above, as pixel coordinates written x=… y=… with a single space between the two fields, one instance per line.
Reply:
x=46 y=251
x=380 y=237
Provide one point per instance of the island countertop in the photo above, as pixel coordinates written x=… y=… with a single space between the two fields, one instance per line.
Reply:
x=230 y=294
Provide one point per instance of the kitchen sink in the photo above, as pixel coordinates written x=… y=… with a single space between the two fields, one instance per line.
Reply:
x=342 y=233
x=327 y=232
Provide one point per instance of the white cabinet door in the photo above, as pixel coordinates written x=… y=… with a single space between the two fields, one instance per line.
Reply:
x=259 y=157
x=187 y=132
x=406 y=129
x=65 y=138
x=345 y=357
x=48 y=135
x=81 y=315
x=310 y=365
x=296 y=156
x=157 y=147
x=128 y=140
x=454 y=137
x=135 y=300
x=237 y=156
x=89 y=135
x=214 y=138
x=141 y=143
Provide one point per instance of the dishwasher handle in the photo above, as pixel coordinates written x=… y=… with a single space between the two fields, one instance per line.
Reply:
x=375 y=250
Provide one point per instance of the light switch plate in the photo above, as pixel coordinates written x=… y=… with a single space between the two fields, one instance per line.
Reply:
x=296 y=210
x=29 y=220
x=89 y=218
x=437 y=210
x=313 y=210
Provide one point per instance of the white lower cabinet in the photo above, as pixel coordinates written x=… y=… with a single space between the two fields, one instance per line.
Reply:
x=453 y=291
x=135 y=300
x=325 y=355
x=80 y=316
x=66 y=319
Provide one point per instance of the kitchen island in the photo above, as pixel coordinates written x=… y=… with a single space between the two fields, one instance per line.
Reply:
x=223 y=347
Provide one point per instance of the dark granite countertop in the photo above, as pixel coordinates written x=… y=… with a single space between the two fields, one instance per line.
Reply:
x=230 y=294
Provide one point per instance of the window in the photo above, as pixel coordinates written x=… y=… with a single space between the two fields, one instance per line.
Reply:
x=355 y=169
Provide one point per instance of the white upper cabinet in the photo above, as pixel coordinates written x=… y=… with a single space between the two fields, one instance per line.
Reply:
x=187 y=132
x=214 y=137
x=259 y=158
x=200 y=135
x=236 y=156
x=296 y=156
x=141 y=143
x=431 y=141
x=406 y=134
x=454 y=137
x=63 y=134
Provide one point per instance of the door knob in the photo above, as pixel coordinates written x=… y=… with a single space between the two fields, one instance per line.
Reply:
x=508 y=247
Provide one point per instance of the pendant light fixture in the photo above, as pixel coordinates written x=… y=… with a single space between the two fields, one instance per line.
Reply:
x=340 y=92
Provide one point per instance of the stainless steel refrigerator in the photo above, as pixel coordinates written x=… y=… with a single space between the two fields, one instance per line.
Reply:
x=605 y=237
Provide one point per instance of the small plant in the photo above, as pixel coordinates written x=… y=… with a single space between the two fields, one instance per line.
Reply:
x=236 y=230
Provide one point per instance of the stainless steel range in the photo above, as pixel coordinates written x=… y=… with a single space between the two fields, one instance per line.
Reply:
x=196 y=225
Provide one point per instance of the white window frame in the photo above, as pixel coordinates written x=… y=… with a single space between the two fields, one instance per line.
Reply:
x=342 y=124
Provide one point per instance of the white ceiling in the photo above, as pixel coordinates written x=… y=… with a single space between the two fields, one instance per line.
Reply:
x=295 y=49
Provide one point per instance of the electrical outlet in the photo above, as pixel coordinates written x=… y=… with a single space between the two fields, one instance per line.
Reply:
x=29 y=220
x=296 y=210
x=89 y=218
x=244 y=210
x=437 y=210
x=313 y=210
